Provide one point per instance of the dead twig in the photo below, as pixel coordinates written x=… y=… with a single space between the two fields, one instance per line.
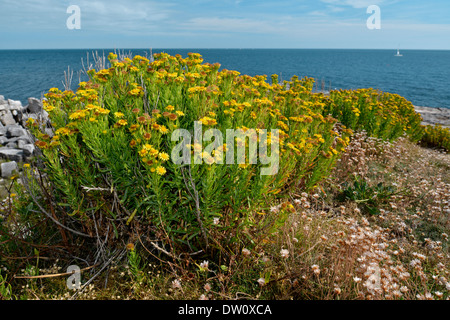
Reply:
x=54 y=275
x=196 y=200
x=49 y=215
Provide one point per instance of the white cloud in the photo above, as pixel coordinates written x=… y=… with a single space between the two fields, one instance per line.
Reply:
x=96 y=15
x=358 y=4
x=229 y=25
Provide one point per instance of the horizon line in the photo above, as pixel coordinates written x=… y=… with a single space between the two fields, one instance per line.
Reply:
x=212 y=48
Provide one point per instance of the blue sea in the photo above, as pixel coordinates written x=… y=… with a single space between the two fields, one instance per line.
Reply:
x=421 y=76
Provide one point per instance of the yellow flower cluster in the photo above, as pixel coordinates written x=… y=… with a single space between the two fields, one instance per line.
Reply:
x=207 y=121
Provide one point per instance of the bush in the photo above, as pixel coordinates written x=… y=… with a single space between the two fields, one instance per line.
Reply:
x=436 y=137
x=108 y=166
x=382 y=115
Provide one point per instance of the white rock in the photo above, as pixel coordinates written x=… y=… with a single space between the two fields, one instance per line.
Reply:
x=8 y=119
x=11 y=154
x=28 y=149
x=13 y=104
x=16 y=131
x=8 y=168
x=34 y=105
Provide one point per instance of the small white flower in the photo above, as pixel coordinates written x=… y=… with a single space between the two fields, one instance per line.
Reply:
x=274 y=209
x=316 y=269
x=176 y=284
x=397 y=293
x=357 y=280
x=261 y=281
x=284 y=253
x=203 y=297
x=216 y=220
x=207 y=287
x=204 y=265
x=245 y=252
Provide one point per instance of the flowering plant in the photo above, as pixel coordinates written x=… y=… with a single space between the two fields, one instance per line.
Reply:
x=110 y=151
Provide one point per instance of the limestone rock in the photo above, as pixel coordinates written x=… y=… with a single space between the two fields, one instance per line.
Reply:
x=16 y=131
x=8 y=119
x=11 y=154
x=8 y=169
x=34 y=105
x=14 y=105
x=28 y=149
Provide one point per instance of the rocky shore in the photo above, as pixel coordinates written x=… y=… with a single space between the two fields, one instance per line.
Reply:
x=16 y=142
x=434 y=116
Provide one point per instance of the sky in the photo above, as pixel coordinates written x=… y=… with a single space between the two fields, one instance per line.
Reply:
x=403 y=24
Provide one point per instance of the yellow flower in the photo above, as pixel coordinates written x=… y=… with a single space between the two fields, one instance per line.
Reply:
x=283 y=125
x=164 y=156
x=112 y=56
x=62 y=131
x=170 y=108
x=49 y=108
x=161 y=170
x=143 y=152
x=104 y=72
x=333 y=150
x=196 y=89
x=163 y=129
x=119 y=115
x=133 y=127
x=121 y=123
x=179 y=113
x=136 y=92
x=79 y=114
x=103 y=111
x=207 y=121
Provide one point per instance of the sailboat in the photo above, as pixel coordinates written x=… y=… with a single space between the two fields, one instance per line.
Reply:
x=398 y=53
